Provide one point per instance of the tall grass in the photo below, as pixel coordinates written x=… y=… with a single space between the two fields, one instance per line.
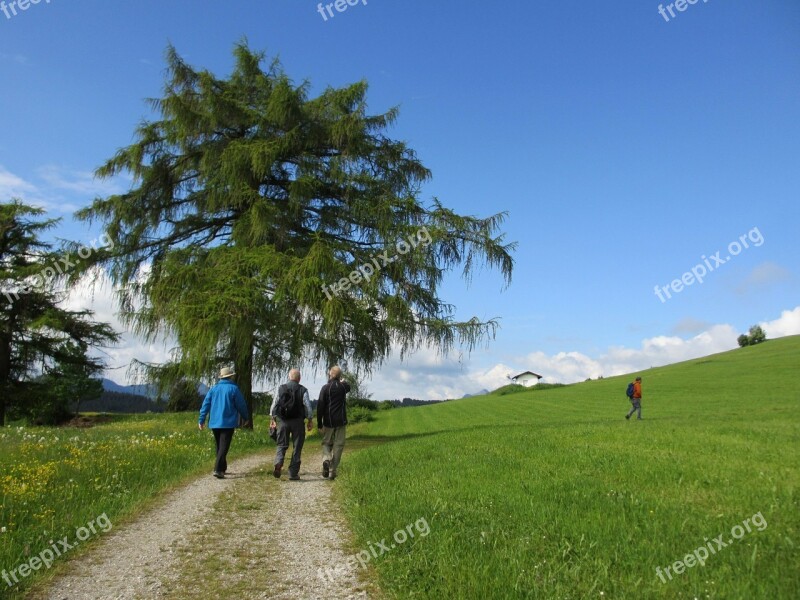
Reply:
x=553 y=494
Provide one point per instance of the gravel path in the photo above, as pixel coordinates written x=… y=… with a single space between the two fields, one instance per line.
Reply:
x=247 y=536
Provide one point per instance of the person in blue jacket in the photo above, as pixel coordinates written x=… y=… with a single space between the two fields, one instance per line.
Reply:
x=226 y=404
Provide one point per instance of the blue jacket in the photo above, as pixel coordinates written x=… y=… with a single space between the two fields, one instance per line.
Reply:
x=225 y=403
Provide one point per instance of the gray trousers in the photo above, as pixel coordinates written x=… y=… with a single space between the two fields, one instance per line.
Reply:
x=637 y=406
x=296 y=429
x=333 y=445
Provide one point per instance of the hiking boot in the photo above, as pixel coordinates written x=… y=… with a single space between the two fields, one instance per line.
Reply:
x=332 y=476
x=627 y=416
x=294 y=477
x=218 y=475
x=277 y=471
x=326 y=468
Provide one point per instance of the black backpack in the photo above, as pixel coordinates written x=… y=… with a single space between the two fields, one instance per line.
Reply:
x=290 y=402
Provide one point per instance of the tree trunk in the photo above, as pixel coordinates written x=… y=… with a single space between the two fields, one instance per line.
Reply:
x=5 y=369
x=244 y=373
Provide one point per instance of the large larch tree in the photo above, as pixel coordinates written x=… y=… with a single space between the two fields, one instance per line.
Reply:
x=253 y=213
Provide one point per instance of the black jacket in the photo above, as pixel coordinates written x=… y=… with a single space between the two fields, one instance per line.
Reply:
x=332 y=404
x=298 y=392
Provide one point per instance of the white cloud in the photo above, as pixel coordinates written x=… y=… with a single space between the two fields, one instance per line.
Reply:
x=95 y=292
x=12 y=186
x=57 y=189
x=83 y=183
x=493 y=378
x=787 y=324
x=571 y=367
x=564 y=367
x=424 y=375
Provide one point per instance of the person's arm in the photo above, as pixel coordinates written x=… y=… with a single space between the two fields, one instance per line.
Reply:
x=204 y=410
x=322 y=403
x=309 y=410
x=273 y=407
x=307 y=405
x=346 y=386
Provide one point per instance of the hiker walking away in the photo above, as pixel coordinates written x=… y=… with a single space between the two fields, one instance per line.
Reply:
x=332 y=420
x=223 y=405
x=636 y=399
x=289 y=408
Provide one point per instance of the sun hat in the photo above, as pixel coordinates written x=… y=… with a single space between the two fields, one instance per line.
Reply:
x=226 y=372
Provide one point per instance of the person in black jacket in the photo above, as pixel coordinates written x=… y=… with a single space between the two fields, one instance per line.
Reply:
x=332 y=420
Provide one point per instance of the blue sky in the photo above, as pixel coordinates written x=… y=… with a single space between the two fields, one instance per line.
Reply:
x=624 y=147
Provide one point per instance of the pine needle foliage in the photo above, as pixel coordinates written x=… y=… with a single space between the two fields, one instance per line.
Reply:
x=37 y=336
x=249 y=196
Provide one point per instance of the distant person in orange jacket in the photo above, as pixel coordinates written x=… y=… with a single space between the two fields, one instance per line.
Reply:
x=636 y=399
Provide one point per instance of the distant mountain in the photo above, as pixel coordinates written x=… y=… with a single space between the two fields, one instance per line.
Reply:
x=481 y=393
x=146 y=390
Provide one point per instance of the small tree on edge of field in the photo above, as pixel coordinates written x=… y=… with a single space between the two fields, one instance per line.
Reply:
x=755 y=336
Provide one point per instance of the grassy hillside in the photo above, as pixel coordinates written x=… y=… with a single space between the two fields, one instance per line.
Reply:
x=553 y=494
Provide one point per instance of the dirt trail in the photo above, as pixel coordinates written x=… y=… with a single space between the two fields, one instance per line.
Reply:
x=247 y=536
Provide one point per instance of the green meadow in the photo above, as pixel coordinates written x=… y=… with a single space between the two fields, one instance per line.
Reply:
x=551 y=493
x=524 y=493
x=56 y=480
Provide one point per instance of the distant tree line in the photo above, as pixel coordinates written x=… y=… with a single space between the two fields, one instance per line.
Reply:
x=413 y=402
x=121 y=402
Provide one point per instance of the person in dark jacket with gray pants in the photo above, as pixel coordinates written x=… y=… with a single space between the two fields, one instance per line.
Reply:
x=291 y=425
x=332 y=421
